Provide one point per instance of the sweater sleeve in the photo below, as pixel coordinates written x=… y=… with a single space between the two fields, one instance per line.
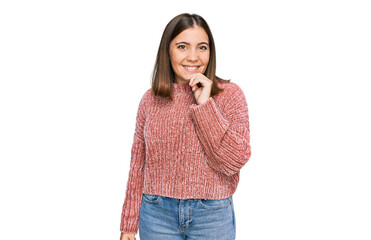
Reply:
x=225 y=136
x=134 y=187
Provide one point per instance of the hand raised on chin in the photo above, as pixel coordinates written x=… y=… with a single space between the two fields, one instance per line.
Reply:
x=202 y=93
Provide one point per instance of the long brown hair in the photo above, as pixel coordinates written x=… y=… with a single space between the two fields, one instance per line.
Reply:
x=163 y=74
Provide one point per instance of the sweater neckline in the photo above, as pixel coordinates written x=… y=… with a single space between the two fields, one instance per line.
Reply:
x=182 y=87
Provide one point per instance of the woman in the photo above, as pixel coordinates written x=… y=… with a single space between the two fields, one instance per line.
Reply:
x=191 y=140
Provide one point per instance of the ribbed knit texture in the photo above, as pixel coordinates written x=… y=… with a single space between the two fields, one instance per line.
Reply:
x=185 y=150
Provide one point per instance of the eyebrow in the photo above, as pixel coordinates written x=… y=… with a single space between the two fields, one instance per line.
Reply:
x=187 y=43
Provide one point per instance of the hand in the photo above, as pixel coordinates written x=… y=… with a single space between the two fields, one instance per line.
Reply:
x=202 y=94
x=127 y=236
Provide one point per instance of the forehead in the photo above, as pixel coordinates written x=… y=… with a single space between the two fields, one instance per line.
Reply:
x=193 y=34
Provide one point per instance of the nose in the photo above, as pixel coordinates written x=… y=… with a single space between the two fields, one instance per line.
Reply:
x=192 y=55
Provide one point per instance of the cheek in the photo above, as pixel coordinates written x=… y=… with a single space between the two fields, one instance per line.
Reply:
x=175 y=57
x=205 y=59
x=176 y=64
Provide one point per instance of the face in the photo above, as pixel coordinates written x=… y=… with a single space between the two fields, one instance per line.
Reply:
x=189 y=53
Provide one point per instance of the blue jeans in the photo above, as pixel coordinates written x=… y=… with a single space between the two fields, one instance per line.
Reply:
x=164 y=218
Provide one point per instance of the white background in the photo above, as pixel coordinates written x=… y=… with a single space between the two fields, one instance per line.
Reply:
x=72 y=75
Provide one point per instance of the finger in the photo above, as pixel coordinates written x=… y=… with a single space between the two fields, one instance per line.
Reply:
x=196 y=78
x=199 y=81
x=193 y=77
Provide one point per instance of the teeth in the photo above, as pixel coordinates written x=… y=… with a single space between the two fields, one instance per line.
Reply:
x=191 y=68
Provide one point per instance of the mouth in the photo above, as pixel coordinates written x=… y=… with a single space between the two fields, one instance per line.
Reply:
x=191 y=68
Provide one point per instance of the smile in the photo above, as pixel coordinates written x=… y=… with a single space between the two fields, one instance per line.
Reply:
x=191 y=68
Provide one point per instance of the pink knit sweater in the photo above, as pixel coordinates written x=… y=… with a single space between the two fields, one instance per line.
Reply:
x=185 y=150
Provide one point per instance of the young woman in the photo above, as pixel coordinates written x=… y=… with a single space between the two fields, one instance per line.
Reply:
x=191 y=139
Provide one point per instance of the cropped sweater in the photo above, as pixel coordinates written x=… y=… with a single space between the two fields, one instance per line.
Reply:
x=185 y=150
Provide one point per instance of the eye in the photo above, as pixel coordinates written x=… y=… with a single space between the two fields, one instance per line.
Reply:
x=203 y=47
x=182 y=47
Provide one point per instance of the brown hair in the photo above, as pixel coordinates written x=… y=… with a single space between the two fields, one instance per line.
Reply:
x=163 y=74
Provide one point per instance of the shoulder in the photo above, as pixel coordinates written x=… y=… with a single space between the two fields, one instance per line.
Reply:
x=146 y=98
x=230 y=89
x=148 y=93
x=231 y=98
